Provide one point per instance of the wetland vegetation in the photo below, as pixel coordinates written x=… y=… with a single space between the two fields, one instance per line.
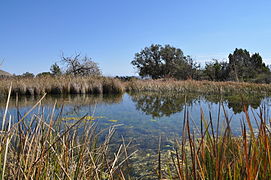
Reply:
x=73 y=131
x=178 y=121
x=105 y=85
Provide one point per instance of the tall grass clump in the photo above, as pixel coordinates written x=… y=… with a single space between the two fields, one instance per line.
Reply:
x=61 y=85
x=36 y=146
x=208 y=152
x=192 y=86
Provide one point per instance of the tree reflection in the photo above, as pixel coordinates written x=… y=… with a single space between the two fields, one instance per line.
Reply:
x=237 y=102
x=161 y=104
x=166 y=104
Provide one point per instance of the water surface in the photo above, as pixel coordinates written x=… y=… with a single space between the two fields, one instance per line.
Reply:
x=143 y=117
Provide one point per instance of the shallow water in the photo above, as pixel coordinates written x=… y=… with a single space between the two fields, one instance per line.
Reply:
x=143 y=117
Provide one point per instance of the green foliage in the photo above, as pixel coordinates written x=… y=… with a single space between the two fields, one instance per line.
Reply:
x=239 y=63
x=159 y=61
x=44 y=74
x=217 y=71
x=243 y=67
x=55 y=69
x=28 y=75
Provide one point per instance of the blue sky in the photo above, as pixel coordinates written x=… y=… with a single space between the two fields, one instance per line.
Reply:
x=34 y=34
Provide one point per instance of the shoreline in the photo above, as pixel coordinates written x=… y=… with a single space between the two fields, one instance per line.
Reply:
x=107 y=85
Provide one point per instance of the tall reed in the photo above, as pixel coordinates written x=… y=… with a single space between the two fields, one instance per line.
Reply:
x=61 y=85
x=193 y=86
x=218 y=154
x=40 y=146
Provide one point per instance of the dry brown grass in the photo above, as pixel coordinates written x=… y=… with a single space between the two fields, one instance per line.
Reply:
x=197 y=86
x=206 y=153
x=61 y=85
x=105 y=85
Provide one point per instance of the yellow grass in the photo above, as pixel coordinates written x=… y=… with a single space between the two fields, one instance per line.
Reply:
x=61 y=85
x=197 y=86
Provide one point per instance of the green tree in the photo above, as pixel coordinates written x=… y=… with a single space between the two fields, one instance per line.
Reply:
x=239 y=62
x=55 y=70
x=216 y=71
x=159 y=61
x=258 y=64
x=44 y=74
x=244 y=67
x=188 y=69
x=28 y=75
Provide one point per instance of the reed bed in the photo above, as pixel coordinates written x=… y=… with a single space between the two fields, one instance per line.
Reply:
x=43 y=147
x=207 y=153
x=106 y=85
x=61 y=85
x=192 y=86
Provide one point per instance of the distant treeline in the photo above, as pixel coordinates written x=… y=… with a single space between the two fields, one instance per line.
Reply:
x=159 y=61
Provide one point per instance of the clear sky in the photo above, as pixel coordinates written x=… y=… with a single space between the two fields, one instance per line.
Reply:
x=34 y=34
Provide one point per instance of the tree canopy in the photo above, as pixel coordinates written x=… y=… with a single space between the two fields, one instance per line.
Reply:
x=244 y=66
x=55 y=70
x=159 y=61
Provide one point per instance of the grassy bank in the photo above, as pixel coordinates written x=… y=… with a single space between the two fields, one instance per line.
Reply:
x=61 y=85
x=105 y=85
x=192 y=86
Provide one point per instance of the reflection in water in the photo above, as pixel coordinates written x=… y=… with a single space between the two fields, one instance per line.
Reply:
x=160 y=105
x=237 y=102
x=76 y=100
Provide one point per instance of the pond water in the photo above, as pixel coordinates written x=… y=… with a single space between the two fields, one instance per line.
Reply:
x=144 y=117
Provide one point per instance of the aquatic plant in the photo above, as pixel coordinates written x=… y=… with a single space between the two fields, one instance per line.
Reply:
x=61 y=85
x=105 y=85
x=192 y=86
x=208 y=152
x=44 y=147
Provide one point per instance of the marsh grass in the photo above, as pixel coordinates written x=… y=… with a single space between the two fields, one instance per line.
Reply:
x=192 y=86
x=61 y=85
x=43 y=147
x=210 y=153
x=106 y=85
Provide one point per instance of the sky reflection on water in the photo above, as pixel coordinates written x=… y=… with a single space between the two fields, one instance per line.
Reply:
x=146 y=116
